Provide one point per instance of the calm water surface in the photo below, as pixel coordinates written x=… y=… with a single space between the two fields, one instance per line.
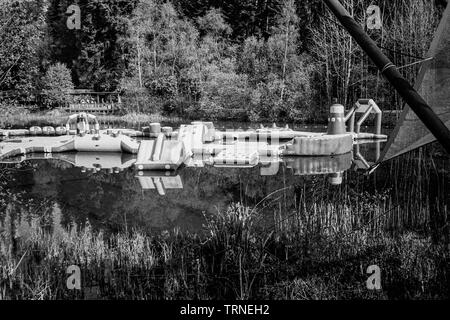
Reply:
x=120 y=200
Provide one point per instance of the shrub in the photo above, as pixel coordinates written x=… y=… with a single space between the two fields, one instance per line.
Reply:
x=224 y=92
x=55 y=85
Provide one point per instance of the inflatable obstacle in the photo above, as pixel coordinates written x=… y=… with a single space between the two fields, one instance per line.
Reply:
x=193 y=136
x=87 y=161
x=161 y=154
x=320 y=145
x=245 y=154
x=81 y=143
x=366 y=136
x=335 y=142
x=199 y=161
x=170 y=149
x=262 y=134
x=236 y=158
x=62 y=131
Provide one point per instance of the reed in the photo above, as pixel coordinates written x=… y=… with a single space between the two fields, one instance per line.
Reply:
x=319 y=254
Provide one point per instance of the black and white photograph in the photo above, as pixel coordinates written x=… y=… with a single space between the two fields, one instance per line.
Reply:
x=226 y=155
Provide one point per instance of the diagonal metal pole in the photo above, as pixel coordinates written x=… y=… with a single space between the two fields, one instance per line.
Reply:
x=390 y=71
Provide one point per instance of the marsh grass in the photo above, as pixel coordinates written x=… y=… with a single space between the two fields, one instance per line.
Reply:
x=319 y=248
x=320 y=256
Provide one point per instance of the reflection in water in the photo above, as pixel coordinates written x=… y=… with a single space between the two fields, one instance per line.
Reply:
x=397 y=217
x=360 y=161
x=106 y=189
x=312 y=226
x=86 y=161
x=111 y=163
x=151 y=180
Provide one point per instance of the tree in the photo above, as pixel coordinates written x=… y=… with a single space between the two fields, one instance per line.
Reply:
x=163 y=46
x=224 y=93
x=279 y=75
x=213 y=24
x=245 y=17
x=285 y=31
x=56 y=84
x=346 y=71
x=94 y=54
x=22 y=35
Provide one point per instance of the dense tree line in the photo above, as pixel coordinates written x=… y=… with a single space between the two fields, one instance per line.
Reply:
x=251 y=59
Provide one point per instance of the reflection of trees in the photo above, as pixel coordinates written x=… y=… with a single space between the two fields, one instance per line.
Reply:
x=58 y=164
x=110 y=200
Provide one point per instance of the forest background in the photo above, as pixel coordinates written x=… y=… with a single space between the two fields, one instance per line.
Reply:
x=249 y=60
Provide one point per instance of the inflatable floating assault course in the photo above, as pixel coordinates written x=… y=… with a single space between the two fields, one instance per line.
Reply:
x=157 y=148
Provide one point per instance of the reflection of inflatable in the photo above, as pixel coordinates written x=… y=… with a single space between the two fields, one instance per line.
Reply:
x=113 y=162
x=333 y=166
x=87 y=161
x=360 y=161
x=162 y=180
x=319 y=165
x=159 y=181
x=270 y=167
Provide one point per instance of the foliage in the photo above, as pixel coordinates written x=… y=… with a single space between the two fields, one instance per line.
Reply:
x=213 y=23
x=56 y=84
x=281 y=77
x=93 y=53
x=22 y=30
x=273 y=60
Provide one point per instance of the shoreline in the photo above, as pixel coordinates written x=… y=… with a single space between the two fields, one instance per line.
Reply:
x=59 y=118
x=18 y=117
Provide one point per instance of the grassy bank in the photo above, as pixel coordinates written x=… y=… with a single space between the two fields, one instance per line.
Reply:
x=24 y=117
x=21 y=116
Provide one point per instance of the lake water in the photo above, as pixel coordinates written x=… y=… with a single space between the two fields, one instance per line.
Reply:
x=319 y=221
x=123 y=200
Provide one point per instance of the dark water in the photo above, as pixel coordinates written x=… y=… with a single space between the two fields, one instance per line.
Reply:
x=123 y=200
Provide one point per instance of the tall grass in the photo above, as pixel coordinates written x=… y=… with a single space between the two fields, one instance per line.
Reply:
x=323 y=255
